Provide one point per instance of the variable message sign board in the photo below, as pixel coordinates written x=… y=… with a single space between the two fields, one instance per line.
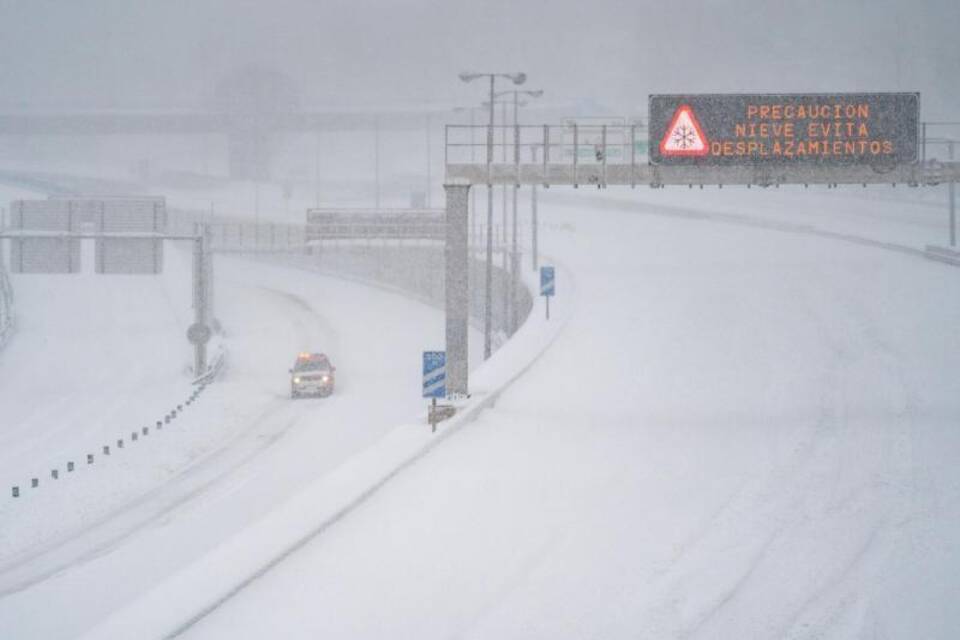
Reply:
x=843 y=129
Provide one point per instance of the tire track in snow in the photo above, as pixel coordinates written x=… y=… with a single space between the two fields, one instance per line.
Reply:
x=465 y=419
x=826 y=607
x=778 y=499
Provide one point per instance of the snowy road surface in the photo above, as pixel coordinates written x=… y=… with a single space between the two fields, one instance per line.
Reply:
x=744 y=429
x=86 y=367
x=742 y=432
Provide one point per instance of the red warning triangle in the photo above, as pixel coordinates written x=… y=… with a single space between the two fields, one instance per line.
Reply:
x=684 y=136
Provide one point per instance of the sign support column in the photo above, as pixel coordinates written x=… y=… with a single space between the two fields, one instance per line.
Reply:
x=199 y=306
x=456 y=289
x=951 y=187
x=533 y=217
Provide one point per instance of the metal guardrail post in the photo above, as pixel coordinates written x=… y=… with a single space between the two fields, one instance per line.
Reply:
x=516 y=153
x=546 y=153
x=952 y=188
x=576 y=157
x=603 y=157
x=923 y=145
x=199 y=303
x=633 y=156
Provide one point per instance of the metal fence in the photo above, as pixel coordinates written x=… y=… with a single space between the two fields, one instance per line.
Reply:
x=568 y=144
x=367 y=224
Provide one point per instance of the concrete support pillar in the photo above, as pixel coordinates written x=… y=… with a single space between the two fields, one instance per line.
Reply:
x=457 y=289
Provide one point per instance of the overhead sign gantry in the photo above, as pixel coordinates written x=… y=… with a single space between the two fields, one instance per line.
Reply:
x=693 y=139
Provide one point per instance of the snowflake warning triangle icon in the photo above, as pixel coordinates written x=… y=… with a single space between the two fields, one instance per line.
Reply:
x=684 y=136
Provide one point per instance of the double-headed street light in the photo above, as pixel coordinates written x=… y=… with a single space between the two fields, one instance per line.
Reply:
x=517 y=79
x=504 y=228
x=514 y=254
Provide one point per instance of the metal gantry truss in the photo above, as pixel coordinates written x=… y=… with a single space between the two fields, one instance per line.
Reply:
x=603 y=155
x=202 y=269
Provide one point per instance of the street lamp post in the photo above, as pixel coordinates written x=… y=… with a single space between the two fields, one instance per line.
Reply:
x=316 y=169
x=376 y=159
x=504 y=227
x=514 y=253
x=428 y=159
x=518 y=79
x=534 y=258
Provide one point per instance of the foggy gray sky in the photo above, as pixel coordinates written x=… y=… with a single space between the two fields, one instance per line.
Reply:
x=169 y=53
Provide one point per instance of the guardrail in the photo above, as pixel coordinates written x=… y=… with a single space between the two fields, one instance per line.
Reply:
x=943 y=254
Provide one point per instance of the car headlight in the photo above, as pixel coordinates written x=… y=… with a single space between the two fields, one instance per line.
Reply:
x=326 y=378
x=296 y=380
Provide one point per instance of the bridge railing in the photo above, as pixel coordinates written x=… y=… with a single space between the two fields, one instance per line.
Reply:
x=618 y=154
x=587 y=144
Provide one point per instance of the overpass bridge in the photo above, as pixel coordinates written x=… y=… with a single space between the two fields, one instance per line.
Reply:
x=249 y=135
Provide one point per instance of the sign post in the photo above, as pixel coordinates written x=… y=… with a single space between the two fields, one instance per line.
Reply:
x=953 y=202
x=434 y=381
x=547 y=285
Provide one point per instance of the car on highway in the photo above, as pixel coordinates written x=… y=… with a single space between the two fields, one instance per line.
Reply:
x=311 y=374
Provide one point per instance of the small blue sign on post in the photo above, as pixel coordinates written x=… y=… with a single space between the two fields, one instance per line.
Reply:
x=547 y=285
x=434 y=374
x=547 y=281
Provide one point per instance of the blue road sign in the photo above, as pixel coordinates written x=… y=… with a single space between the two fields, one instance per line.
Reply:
x=547 y=281
x=434 y=374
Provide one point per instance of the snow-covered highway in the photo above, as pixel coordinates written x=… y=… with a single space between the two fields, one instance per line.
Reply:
x=745 y=427
x=741 y=432
x=244 y=447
